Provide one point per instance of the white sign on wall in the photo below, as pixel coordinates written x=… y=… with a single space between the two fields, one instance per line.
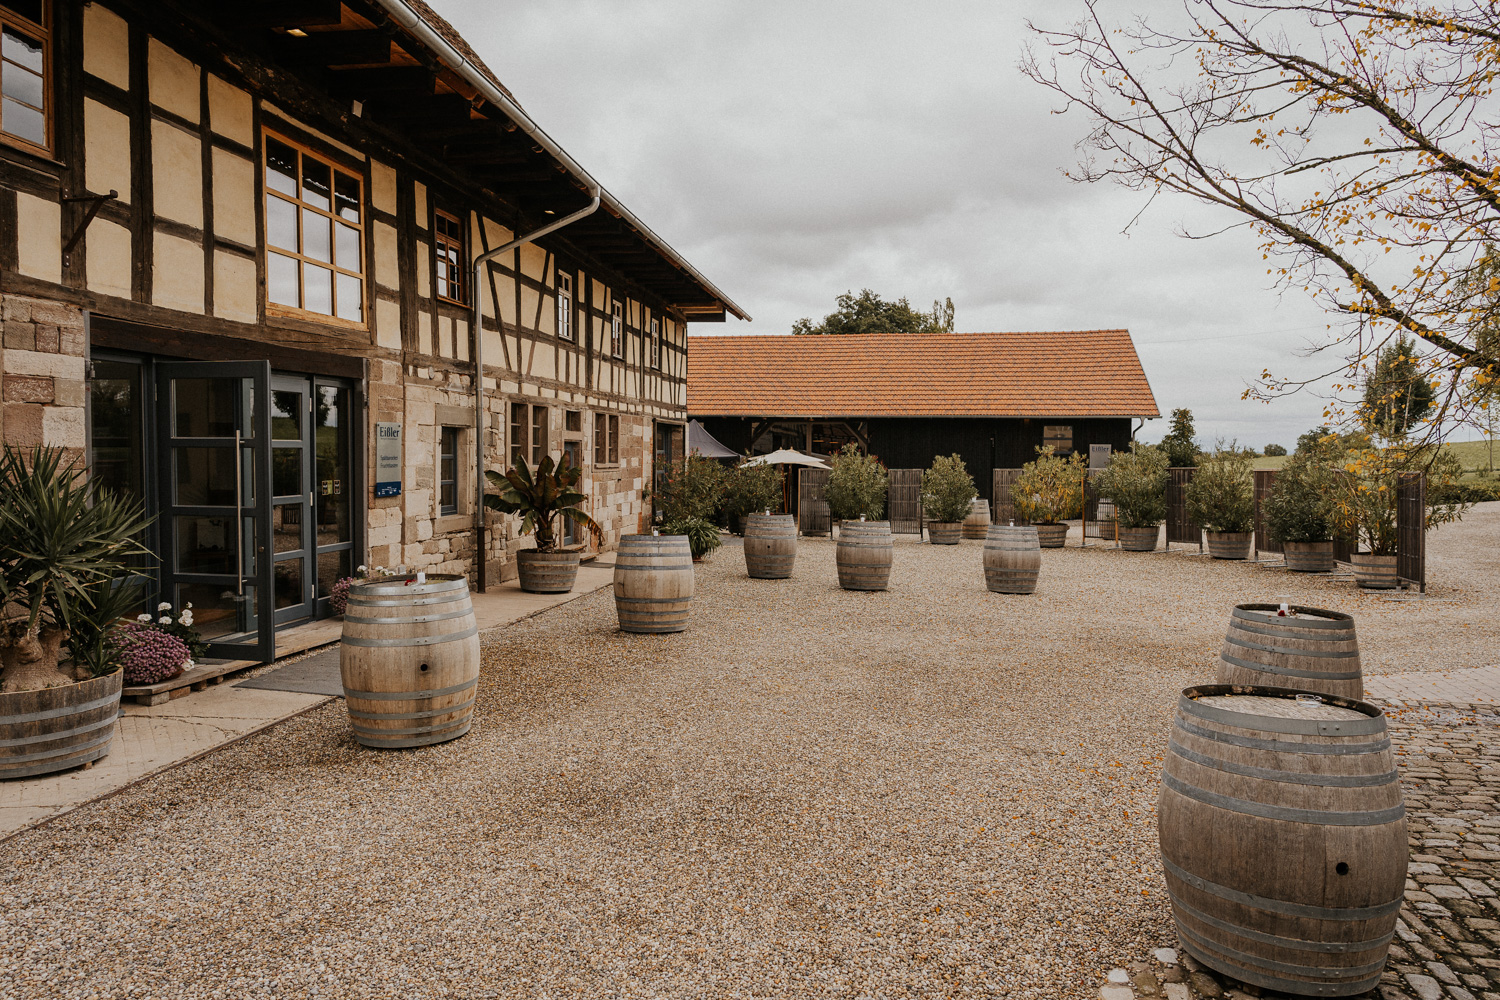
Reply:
x=387 y=460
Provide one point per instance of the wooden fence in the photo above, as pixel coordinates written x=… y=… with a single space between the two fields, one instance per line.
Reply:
x=812 y=510
x=1179 y=528
x=1411 y=529
x=1002 y=507
x=1264 y=480
x=904 y=501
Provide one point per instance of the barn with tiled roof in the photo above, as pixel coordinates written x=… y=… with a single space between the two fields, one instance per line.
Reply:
x=994 y=398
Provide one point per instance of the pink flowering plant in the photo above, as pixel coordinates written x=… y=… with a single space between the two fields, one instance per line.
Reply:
x=178 y=625
x=149 y=654
x=338 y=597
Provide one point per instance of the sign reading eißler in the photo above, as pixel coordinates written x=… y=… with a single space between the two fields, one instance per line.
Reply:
x=387 y=460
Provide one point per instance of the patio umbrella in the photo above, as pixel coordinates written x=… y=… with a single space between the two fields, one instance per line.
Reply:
x=700 y=442
x=786 y=456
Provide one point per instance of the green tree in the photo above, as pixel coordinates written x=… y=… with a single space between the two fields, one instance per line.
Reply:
x=1274 y=450
x=1397 y=394
x=1178 y=444
x=856 y=486
x=867 y=312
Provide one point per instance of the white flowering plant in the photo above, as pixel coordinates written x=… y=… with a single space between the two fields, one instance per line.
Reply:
x=178 y=625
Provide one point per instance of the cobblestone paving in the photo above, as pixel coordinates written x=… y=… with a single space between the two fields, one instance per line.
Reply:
x=1447 y=943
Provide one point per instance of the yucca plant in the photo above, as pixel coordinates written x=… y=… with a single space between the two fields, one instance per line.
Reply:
x=64 y=542
x=541 y=498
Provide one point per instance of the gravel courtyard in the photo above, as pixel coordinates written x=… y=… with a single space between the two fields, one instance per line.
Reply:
x=926 y=792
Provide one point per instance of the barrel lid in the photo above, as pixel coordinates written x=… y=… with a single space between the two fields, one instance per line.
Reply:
x=436 y=583
x=1282 y=709
x=1300 y=615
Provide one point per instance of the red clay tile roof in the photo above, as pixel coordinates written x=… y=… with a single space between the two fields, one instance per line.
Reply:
x=1086 y=373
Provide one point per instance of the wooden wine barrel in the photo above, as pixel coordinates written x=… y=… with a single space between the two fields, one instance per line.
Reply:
x=409 y=660
x=1229 y=544
x=770 y=545
x=1012 y=559
x=1051 y=536
x=1374 y=572
x=1283 y=837
x=945 y=532
x=864 y=555
x=57 y=728
x=1140 y=539
x=653 y=583
x=1308 y=557
x=978 y=521
x=1309 y=650
x=546 y=572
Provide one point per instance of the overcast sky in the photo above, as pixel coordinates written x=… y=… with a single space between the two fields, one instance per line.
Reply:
x=793 y=151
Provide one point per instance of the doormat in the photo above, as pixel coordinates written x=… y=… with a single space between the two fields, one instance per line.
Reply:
x=318 y=674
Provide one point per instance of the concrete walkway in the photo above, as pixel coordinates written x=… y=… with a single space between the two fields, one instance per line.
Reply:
x=151 y=739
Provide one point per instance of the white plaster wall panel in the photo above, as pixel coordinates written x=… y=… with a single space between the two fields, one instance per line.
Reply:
x=386 y=270
x=234 y=197
x=544 y=362
x=424 y=332
x=173 y=81
x=108 y=254
x=383 y=187
x=421 y=209
x=424 y=268
x=177 y=174
x=176 y=273
x=497 y=235
x=388 y=324
x=234 y=287
x=547 y=321
x=229 y=111
x=106 y=45
x=505 y=287
x=445 y=337
x=533 y=261
x=38 y=237
x=601 y=295
x=486 y=300
x=493 y=348
x=106 y=150
x=530 y=299
x=461 y=339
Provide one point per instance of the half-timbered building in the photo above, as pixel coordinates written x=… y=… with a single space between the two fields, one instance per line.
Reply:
x=238 y=249
x=993 y=398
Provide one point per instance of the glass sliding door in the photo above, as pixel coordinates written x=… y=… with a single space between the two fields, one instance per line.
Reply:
x=332 y=447
x=291 y=499
x=214 y=432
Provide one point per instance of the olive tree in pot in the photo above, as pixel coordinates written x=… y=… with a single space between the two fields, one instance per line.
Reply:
x=688 y=501
x=1221 y=497
x=1297 y=515
x=1048 y=492
x=947 y=489
x=65 y=571
x=752 y=488
x=541 y=498
x=1363 y=502
x=1136 y=482
x=856 y=487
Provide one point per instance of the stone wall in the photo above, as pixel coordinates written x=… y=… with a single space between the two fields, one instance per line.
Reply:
x=41 y=373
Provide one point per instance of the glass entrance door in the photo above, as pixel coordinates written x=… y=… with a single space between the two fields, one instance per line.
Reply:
x=573 y=452
x=214 y=421
x=292 y=498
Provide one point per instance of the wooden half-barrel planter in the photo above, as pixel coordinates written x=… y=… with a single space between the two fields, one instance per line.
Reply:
x=1309 y=649
x=1229 y=544
x=409 y=660
x=546 y=572
x=977 y=524
x=945 y=532
x=1374 y=572
x=1283 y=837
x=1051 y=536
x=1139 y=539
x=1308 y=557
x=57 y=728
x=864 y=555
x=1012 y=559
x=770 y=546
x=653 y=583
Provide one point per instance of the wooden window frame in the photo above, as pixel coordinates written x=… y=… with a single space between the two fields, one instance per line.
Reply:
x=564 y=305
x=445 y=434
x=606 y=438
x=520 y=431
x=43 y=33
x=617 y=329
x=539 y=434
x=614 y=439
x=656 y=343
x=459 y=243
x=281 y=309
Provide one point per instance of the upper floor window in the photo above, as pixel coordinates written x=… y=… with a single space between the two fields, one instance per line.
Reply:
x=656 y=343
x=25 y=57
x=448 y=237
x=314 y=234
x=565 y=306
x=617 y=330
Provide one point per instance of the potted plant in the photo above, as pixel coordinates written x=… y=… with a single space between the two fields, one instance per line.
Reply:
x=856 y=487
x=1221 y=497
x=751 y=488
x=1136 y=481
x=541 y=499
x=1048 y=492
x=1363 y=502
x=947 y=489
x=702 y=535
x=64 y=569
x=692 y=487
x=1297 y=515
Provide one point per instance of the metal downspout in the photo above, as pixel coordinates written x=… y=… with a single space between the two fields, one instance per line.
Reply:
x=480 y=542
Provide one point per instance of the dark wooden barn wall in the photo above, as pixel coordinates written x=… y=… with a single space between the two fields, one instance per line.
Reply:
x=985 y=444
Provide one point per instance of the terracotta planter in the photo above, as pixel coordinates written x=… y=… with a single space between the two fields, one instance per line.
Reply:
x=1229 y=544
x=1374 y=572
x=1139 y=539
x=1308 y=557
x=1051 y=536
x=546 y=572
x=944 y=532
x=58 y=728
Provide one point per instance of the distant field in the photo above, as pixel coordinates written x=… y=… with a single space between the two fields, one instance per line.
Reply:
x=1474 y=455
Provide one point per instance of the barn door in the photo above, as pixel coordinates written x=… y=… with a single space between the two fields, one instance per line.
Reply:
x=812 y=510
x=905 y=501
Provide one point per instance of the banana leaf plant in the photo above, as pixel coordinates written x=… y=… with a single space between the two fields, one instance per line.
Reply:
x=541 y=498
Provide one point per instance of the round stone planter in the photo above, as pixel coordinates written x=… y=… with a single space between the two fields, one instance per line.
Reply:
x=945 y=532
x=546 y=572
x=1308 y=557
x=1374 y=572
x=58 y=728
x=1051 y=536
x=1229 y=544
x=1139 y=539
